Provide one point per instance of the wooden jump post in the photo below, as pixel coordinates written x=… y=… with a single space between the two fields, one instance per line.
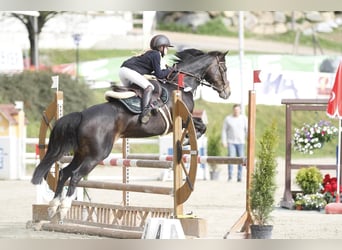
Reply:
x=242 y=225
x=182 y=115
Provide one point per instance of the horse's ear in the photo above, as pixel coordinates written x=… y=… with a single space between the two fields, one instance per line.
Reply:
x=223 y=55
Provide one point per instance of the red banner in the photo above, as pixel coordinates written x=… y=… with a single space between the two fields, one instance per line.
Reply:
x=334 y=107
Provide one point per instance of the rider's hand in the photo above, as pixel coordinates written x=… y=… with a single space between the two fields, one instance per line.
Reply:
x=174 y=68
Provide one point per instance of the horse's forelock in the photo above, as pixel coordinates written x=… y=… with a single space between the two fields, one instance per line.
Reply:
x=218 y=54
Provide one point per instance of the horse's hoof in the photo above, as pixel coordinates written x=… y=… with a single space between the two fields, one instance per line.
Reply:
x=63 y=211
x=52 y=211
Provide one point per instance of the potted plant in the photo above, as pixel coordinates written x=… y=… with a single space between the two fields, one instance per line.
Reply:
x=299 y=201
x=310 y=201
x=309 y=179
x=214 y=149
x=263 y=185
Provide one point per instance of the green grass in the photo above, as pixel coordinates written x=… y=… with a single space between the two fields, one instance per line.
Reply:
x=57 y=56
x=265 y=114
x=214 y=27
x=331 y=41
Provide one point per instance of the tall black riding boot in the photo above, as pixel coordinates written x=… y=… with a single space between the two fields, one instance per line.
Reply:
x=146 y=112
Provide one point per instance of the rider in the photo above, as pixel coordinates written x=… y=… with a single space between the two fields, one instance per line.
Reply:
x=133 y=70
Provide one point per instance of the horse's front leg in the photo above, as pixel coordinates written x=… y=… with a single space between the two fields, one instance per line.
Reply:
x=200 y=127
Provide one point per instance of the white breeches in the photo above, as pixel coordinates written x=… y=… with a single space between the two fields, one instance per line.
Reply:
x=129 y=76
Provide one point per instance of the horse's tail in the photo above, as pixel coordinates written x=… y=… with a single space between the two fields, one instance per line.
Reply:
x=63 y=138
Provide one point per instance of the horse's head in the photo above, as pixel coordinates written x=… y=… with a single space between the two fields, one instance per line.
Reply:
x=216 y=74
x=208 y=69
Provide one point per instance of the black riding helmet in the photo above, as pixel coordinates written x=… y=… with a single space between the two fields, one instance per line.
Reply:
x=159 y=40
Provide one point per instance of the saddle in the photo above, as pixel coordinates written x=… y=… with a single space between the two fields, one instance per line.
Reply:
x=131 y=96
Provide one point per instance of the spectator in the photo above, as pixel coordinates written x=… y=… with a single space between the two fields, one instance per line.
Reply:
x=233 y=136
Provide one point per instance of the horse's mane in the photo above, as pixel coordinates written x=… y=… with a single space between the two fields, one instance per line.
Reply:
x=189 y=54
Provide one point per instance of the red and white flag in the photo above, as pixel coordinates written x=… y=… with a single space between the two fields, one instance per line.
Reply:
x=334 y=108
x=256 y=76
x=55 y=82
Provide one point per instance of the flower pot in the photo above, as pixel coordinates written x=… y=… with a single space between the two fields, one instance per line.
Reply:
x=214 y=175
x=299 y=207
x=261 y=231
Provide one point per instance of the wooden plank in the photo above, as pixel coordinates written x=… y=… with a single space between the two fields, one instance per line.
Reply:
x=95 y=231
x=105 y=215
x=304 y=101
x=125 y=187
x=40 y=212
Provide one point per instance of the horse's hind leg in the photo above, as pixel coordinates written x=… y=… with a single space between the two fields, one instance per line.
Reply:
x=92 y=149
x=64 y=175
x=76 y=176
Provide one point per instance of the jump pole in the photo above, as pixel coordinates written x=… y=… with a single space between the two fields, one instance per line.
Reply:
x=125 y=171
x=186 y=159
x=242 y=225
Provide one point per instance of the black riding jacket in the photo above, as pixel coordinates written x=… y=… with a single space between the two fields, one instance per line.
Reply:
x=147 y=63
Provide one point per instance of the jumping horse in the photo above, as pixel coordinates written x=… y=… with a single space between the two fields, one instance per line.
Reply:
x=90 y=134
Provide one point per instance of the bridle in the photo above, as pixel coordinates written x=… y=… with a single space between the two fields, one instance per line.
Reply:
x=221 y=67
x=201 y=79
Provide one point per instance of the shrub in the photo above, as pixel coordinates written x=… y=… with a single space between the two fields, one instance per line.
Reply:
x=309 y=180
x=214 y=145
x=263 y=184
x=34 y=89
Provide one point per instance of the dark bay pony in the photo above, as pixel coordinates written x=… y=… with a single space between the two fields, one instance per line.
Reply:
x=90 y=134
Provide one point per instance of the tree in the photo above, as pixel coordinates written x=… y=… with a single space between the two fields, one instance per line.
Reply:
x=29 y=22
